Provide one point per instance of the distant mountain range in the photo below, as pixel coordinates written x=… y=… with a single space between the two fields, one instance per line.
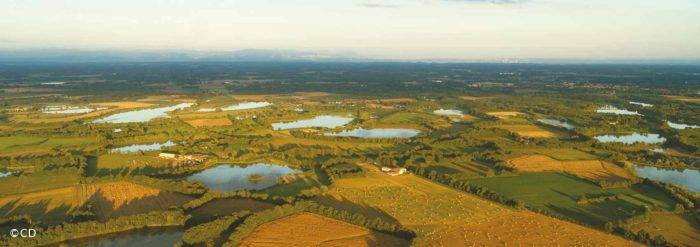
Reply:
x=259 y=55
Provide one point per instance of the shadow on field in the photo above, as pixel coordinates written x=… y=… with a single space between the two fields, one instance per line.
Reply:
x=104 y=207
x=367 y=211
x=38 y=212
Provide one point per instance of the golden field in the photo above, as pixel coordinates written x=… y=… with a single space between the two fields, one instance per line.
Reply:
x=594 y=170
x=108 y=199
x=307 y=229
x=209 y=122
x=442 y=216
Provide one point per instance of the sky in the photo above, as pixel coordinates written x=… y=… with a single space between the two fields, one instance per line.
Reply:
x=393 y=29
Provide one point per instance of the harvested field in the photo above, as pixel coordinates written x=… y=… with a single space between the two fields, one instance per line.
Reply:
x=504 y=114
x=116 y=199
x=131 y=161
x=594 y=170
x=684 y=98
x=312 y=94
x=526 y=228
x=441 y=215
x=466 y=97
x=209 y=122
x=307 y=229
x=528 y=130
x=680 y=230
x=110 y=199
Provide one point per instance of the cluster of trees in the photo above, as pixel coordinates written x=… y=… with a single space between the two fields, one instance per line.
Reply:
x=688 y=200
x=593 y=199
x=257 y=219
x=16 y=222
x=656 y=159
x=67 y=231
x=341 y=170
x=45 y=161
x=210 y=233
x=642 y=236
x=214 y=194
x=609 y=184
x=466 y=187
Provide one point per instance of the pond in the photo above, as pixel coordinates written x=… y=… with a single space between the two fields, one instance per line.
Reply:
x=239 y=106
x=556 y=123
x=632 y=138
x=140 y=116
x=68 y=109
x=324 y=121
x=448 y=112
x=641 y=104
x=376 y=133
x=613 y=110
x=232 y=177
x=141 y=147
x=167 y=236
x=5 y=174
x=681 y=126
x=687 y=178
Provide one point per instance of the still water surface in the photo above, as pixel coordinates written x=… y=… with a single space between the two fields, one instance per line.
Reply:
x=232 y=177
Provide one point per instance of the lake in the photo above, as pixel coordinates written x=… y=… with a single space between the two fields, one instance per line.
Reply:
x=376 y=133
x=324 y=121
x=556 y=123
x=166 y=236
x=239 y=106
x=5 y=174
x=448 y=112
x=641 y=104
x=140 y=116
x=233 y=177
x=632 y=138
x=613 y=110
x=141 y=147
x=68 y=109
x=687 y=178
x=681 y=126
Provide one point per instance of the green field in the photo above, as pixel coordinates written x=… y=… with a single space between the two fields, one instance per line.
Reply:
x=15 y=145
x=557 y=193
x=39 y=181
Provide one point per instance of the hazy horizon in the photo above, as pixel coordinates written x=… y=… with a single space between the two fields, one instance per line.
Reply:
x=396 y=29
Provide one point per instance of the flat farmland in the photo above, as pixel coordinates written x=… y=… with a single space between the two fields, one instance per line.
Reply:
x=116 y=160
x=595 y=170
x=504 y=114
x=20 y=145
x=209 y=122
x=681 y=230
x=307 y=229
x=557 y=193
x=527 y=130
x=441 y=215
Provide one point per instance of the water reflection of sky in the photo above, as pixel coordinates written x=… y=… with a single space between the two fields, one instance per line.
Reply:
x=324 y=121
x=232 y=178
x=687 y=178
